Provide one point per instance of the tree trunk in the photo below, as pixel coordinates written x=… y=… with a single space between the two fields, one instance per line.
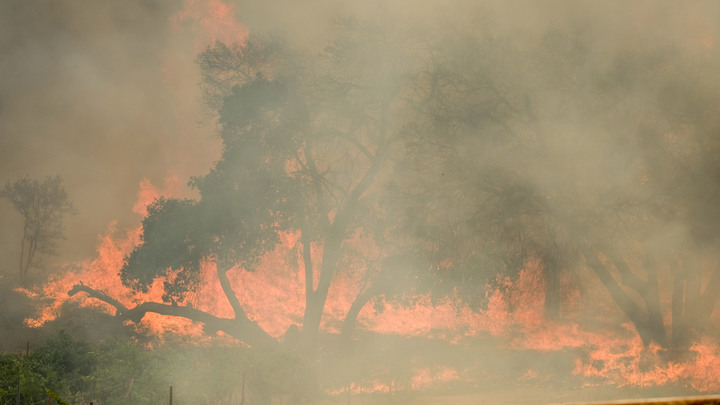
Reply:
x=651 y=297
x=551 y=271
x=651 y=321
x=315 y=301
x=632 y=310
x=350 y=321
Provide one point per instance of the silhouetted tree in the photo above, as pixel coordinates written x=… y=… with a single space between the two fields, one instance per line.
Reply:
x=43 y=205
x=607 y=166
x=308 y=145
x=477 y=153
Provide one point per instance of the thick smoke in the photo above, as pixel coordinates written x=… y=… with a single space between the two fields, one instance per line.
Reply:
x=103 y=94
x=106 y=95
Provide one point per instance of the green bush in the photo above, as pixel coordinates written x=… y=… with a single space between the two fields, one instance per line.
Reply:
x=120 y=371
x=67 y=368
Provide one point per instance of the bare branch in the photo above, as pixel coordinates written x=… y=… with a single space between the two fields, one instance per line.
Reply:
x=241 y=328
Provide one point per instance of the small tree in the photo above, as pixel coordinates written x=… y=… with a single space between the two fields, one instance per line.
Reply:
x=43 y=205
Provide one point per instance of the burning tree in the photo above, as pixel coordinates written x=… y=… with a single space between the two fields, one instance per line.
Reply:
x=577 y=160
x=308 y=148
x=480 y=154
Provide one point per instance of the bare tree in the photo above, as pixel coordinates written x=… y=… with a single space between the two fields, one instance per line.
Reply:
x=43 y=205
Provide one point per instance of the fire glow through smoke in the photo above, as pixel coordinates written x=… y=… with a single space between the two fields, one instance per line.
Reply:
x=211 y=20
x=273 y=296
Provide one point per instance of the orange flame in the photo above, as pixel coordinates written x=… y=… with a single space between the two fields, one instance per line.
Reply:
x=149 y=193
x=101 y=274
x=426 y=377
x=423 y=378
x=211 y=20
x=273 y=296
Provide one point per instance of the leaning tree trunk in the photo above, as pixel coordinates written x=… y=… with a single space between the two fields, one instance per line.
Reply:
x=350 y=322
x=638 y=315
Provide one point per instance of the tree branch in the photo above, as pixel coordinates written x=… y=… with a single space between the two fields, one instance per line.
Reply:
x=631 y=309
x=629 y=278
x=121 y=309
x=240 y=328
x=230 y=293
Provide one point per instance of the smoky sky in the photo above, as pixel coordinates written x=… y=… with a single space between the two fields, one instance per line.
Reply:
x=105 y=93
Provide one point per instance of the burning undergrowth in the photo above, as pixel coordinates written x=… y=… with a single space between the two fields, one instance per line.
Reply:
x=561 y=174
x=416 y=343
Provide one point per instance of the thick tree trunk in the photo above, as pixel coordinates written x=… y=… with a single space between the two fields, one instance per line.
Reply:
x=551 y=271
x=315 y=298
x=315 y=301
x=651 y=322
x=632 y=310
x=651 y=296
x=350 y=321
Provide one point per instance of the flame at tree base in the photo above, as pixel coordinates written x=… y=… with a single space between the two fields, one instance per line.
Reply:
x=513 y=324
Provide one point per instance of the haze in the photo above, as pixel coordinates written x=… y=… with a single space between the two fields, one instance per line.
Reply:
x=612 y=124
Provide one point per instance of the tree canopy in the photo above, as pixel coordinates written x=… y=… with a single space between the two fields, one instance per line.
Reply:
x=308 y=147
x=577 y=163
x=471 y=152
